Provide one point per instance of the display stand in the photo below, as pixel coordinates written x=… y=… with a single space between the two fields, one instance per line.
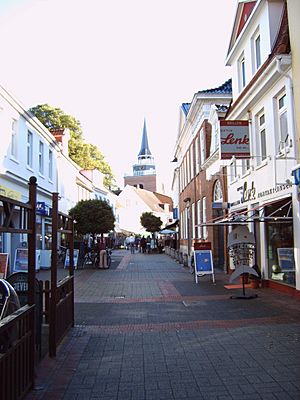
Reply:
x=203 y=264
x=241 y=245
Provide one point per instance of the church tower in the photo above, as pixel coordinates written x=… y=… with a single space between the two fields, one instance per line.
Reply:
x=144 y=172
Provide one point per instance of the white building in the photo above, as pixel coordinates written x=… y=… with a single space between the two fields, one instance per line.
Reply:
x=261 y=188
x=133 y=202
x=28 y=149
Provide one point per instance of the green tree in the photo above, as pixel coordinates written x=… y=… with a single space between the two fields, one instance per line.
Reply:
x=86 y=155
x=150 y=222
x=93 y=217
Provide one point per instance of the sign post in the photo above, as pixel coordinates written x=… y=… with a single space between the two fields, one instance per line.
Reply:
x=203 y=264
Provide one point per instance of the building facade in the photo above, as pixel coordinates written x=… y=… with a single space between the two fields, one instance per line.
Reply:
x=260 y=190
x=199 y=175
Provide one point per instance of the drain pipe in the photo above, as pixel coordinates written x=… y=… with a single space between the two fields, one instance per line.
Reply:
x=290 y=91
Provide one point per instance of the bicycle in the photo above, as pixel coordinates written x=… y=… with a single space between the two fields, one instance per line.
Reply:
x=89 y=259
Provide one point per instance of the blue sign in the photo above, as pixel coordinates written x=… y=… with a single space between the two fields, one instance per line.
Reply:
x=175 y=213
x=203 y=263
x=43 y=209
x=296 y=174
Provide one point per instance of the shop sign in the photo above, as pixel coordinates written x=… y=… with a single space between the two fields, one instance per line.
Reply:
x=42 y=208
x=12 y=194
x=249 y=193
x=234 y=138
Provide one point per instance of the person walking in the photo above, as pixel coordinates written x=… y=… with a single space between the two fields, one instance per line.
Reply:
x=143 y=244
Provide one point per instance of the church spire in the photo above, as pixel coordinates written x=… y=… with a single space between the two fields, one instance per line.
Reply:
x=145 y=151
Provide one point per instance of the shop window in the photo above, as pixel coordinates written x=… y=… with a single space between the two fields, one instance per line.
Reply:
x=280 y=242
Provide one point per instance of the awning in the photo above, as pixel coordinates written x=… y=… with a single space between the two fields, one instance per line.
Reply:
x=167 y=232
x=242 y=217
x=173 y=225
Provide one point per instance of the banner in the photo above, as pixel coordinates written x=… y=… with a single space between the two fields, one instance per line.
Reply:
x=234 y=139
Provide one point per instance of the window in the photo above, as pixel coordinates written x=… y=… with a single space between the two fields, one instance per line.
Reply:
x=282 y=122
x=233 y=170
x=50 y=165
x=197 y=154
x=257 y=51
x=202 y=147
x=193 y=220
x=192 y=161
x=262 y=142
x=41 y=158
x=199 y=219
x=29 y=148
x=188 y=167
x=245 y=166
x=14 y=139
x=204 y=217
x=215 y=137
x=242 y=72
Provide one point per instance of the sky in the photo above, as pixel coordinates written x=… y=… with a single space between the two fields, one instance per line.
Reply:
x=113 y=63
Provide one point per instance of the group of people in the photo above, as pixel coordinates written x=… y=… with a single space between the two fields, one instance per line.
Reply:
x=143 y=245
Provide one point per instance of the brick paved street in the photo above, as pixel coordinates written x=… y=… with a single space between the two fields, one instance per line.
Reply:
x=145 y=331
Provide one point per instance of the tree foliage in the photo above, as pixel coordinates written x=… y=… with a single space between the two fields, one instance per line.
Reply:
x=93 y=216
x=150 y=222
x=86 y=155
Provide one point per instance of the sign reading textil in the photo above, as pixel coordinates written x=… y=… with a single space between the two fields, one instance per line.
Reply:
x=234 y=138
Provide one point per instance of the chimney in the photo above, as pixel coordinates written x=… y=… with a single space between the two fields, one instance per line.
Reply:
x=62 y=136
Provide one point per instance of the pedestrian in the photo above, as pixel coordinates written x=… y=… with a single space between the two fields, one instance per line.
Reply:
x=101 y=253
x=143 y=244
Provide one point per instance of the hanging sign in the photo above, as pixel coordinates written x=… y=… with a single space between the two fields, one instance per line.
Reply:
x=203 y=264
x=234 y=138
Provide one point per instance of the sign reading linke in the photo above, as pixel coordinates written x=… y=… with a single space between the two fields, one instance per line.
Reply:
x=234 y=138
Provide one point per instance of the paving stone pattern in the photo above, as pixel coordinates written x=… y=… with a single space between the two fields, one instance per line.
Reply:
x=146 y=331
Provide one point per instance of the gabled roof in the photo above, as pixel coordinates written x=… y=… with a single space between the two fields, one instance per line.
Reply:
x=225 y=88
x=151 y=199
x=243 y=11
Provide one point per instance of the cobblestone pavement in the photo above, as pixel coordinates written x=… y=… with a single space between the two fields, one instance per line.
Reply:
x=146 y=331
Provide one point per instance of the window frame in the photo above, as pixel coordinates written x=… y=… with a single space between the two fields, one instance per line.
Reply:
x=14 y=139
x=29 y=149
x=41 y=157
x=50 y=165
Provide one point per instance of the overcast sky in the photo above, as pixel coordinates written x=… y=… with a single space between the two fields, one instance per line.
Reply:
x=112 y=63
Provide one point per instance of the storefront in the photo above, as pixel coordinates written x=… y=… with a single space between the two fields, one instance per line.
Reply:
x=280 y=242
